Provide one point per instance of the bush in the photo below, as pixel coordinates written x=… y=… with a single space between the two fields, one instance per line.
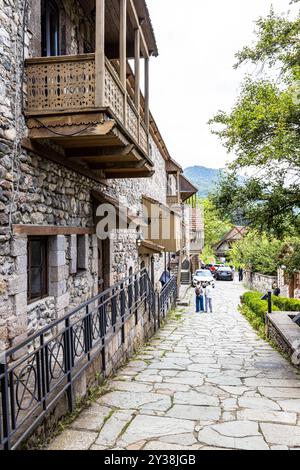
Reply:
x=259 y=307
x=257 y=322
x=286 y=305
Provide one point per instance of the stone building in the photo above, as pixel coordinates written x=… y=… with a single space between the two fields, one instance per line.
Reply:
x=76 y=132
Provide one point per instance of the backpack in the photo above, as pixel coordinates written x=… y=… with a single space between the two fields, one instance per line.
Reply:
x=198 y=291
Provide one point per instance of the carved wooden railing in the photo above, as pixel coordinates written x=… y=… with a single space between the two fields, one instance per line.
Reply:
x=63 y=84
x=172 y=199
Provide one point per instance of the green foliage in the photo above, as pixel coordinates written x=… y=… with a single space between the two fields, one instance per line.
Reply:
x=258 y=306
x=286 y=305
x=215 y=226
x=278 y=42
x=290 y=256
x=258 y=253
x=260 y=203
x=255 y=321
x=263 y=131
x=207 y=255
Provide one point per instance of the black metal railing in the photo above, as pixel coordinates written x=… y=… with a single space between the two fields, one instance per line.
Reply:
x=167 y=298
x=37 y=372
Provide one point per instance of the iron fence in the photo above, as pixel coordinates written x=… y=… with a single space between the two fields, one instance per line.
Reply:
x=36 y=373
x=167 y=298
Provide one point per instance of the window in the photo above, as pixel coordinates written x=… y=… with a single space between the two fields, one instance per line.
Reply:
x=82 y=253
x=37 y=268
x=50 y=28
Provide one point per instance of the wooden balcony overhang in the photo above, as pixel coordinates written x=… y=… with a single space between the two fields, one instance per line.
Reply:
x=172 y=167
x=61 y=108
x=187 y=189
x=150 y=248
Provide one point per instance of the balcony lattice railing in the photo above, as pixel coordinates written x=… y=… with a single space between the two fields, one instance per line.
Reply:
x=67 y=84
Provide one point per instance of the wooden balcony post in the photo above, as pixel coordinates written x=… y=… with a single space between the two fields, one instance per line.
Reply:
x=137 y=95
x=147 y=118
x=178 y=188
x=100 y=54
x=123 y=52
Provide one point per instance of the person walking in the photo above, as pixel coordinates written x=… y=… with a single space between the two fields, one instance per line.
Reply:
x=241 y=274
x=199 y=298
x=276 y=289
x=209 y=298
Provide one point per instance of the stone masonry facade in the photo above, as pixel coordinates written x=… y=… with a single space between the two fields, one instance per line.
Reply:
x=37 y=191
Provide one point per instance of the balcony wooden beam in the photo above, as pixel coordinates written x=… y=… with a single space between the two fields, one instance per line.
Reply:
x=116 y=166
x=147 y=92
x=107 y=153
x=100 y=54
x=136 y=22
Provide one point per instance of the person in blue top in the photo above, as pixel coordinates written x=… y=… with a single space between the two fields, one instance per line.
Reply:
x=165 y=277
x=199 y=298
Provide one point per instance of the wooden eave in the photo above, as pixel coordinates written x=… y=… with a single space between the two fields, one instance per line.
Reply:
x=94 y=141
x=160 y=204
x=173 y=167
x=149 y=247
x=187 y=189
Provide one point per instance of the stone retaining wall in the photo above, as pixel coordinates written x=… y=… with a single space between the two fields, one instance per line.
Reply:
x=258 y=282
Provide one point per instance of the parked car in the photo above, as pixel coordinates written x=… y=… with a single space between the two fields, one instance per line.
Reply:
x=217 y=267
x=203 y=275
x=224 y=274
x=210 y=267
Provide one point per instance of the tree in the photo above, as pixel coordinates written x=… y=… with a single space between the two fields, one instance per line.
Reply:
x=263 y=129
x=215 y=226
x=258 y=253
x=290 y=256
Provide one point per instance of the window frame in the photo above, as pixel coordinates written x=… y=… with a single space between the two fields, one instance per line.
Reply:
x=44 y=275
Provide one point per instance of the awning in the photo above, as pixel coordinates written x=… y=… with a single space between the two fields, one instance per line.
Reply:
x=187 y=189
x=150 y=248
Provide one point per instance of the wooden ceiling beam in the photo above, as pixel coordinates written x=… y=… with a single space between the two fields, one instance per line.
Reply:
x=128 y=174
x=99 y=152
x=115 y=166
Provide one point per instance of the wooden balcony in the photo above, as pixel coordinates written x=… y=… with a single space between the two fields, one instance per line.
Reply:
x=173 y=199
x=112 y=140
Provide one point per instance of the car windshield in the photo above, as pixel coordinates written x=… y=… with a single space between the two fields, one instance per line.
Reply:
x=226 y=270
x=203 y=273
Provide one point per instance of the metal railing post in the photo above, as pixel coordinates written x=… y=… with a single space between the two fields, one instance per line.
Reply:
x=4 y=388
x=123 y=311
x=68 y=362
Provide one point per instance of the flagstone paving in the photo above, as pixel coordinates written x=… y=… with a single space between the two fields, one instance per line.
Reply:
x=206 y=381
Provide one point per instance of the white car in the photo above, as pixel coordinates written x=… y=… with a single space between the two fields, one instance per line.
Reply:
x=203 y=275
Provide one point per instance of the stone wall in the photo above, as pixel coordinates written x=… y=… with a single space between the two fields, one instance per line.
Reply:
x=258 y=282
x=37 y=191
x=285 y=287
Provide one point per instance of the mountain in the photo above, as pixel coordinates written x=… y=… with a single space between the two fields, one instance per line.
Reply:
x=203 y=178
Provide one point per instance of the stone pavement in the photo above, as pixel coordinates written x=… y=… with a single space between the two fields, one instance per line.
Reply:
x=204 y=382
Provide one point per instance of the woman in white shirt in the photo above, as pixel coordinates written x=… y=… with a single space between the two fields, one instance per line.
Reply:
x=209 y=298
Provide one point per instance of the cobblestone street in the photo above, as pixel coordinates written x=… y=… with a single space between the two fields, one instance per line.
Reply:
x=206 y=381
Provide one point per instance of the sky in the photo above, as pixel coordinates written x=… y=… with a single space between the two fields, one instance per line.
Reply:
x=193 y=77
